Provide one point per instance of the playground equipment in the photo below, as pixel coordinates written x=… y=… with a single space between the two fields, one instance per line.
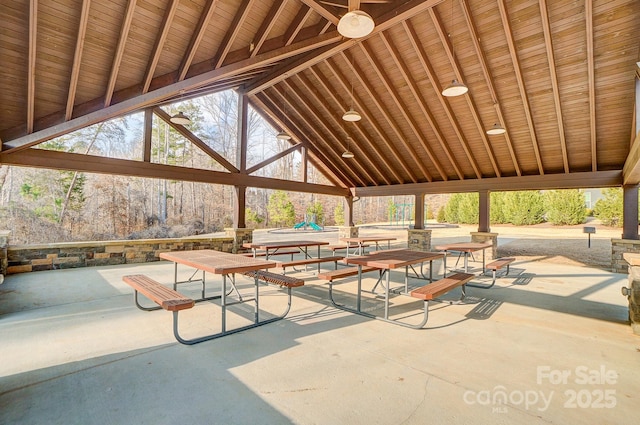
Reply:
x=308 y=222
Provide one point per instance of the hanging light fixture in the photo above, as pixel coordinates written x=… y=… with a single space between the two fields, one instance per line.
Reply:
x=496 y=129
x=282 y=135
x=180 y=118
x=351 y=115
x=456 y=88
x=348 y=153
x=355 y=24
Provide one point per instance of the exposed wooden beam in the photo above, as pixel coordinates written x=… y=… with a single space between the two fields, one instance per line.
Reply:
x=166 y=92
x=195 y=140
x=196 y=38
x=363 y=79
x=298 y=23
x=273 y=158
x=322 y=11
x=232 y=32
x=386 y=21
x=266 y=27
x=262 y=104
x=475 y=38
x=513 y=50
x=597 y=179
x=548 y=42
x=77 y=59
x=457 y=69
x=427 y=67
x=165 y=26
x=118 y=54
x=331 y=92
x=31 y=64
x=40 y=158
x=588 y=16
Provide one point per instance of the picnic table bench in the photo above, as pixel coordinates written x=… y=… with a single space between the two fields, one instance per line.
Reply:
x=494 y=266
x=331 y=275
x=307 y=261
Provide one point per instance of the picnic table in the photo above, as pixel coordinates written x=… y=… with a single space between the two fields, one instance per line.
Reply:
x=465 y=249
x=272 y=248
x=395 y=259
x=360 y=241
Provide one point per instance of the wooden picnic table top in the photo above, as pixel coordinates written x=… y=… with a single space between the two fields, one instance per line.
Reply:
x=282 y=244
x=464 y=246
x=394 y=258
x=217 y=262
x=363 y=239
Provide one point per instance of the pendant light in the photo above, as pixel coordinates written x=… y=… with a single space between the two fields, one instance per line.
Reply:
x=348 y=153
x=351 y=115
x=355 y=24
x=456 y=88
x=180 y=118
x=496 y=129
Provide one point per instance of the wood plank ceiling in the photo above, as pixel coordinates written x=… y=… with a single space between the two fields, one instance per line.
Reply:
x=559 y=75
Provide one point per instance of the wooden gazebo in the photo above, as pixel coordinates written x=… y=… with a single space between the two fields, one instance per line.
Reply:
x=562 y=77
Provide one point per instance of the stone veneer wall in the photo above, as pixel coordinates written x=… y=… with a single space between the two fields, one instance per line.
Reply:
x=347 y=232
x=65 y=255
x=633 y=260
x=240 y=236
x=419 y=239
x=4 y=243
x=618 y=248
x=492 y=253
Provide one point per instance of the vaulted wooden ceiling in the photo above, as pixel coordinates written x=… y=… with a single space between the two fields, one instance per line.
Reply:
x=559 y=75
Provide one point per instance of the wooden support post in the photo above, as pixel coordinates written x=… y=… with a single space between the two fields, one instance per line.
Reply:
x=419 y=211
x=243 y=111
x=484 y=206
x=240 y=209
x=148 y=131
x=630 y=212
x=348 y=211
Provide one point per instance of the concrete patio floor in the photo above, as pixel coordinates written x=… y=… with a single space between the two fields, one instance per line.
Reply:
x=549 y=344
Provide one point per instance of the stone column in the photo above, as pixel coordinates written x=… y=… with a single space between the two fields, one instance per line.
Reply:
x=620 y=247
x=4 y=260
x=419 y=239
x=239 y=236
x=347 y=232
x=633 y=291
x=492 y=253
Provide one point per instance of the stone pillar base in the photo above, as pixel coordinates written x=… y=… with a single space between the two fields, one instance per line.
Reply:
x=634 y=285
x=619 y=247
x=492 y=253
x=4 y=260
x=419 y=239
x=240 y=236
x=347 y=232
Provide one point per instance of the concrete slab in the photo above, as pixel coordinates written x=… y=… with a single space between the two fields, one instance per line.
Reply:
x=549 y=344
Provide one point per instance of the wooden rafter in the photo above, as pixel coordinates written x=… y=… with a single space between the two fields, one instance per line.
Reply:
x=160 y=95
x=475 y=39
x=273 y=158
x=358 y=165
x=362 y=156
x=31 y=70
x=404 y=108
x=165 y=26
x=521 y=84
x=266 y=27
x=196 y=38
x=335 y=156
x=298 y=23
x=119 y=53
x=375 y=100
x=41 y=158
x=426 y=66
x=196 y=140
x=401 y=13
x=337 y=176
x=77 y=59
x=232 y=33
x=321 y=10
x=457 y=69
x=546 y=29
x=588 y=12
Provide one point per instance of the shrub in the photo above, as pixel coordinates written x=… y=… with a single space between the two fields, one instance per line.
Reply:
x=565 y=206
x=609 y=209
x=462 y=208
x=524 y=207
